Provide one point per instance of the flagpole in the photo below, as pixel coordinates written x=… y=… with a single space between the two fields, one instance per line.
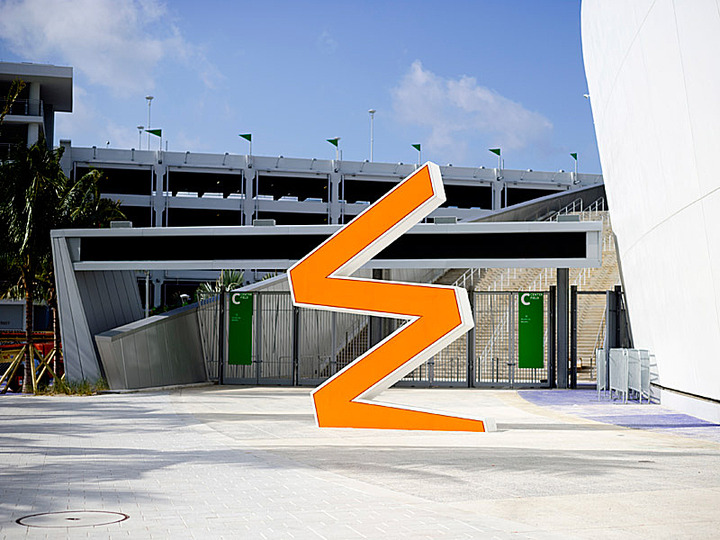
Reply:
x=336 y=143
x=372 y=138
x=248 y=138
x=574 y=155
x=418 y=147
x=498 y=153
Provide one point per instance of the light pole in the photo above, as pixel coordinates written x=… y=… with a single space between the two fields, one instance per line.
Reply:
x=149 y=100
x=140 y=130
x=372 y=126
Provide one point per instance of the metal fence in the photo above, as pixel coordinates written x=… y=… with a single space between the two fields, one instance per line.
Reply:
x=496 y=342
x=290 y=345
x=626 y=374
x=590 y=332
x=297 y=346
x=208 y=314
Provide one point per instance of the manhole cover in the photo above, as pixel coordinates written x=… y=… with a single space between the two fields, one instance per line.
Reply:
x=71 y=519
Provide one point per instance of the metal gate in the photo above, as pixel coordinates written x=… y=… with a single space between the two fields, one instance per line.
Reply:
x=496 y=342
x=588 y=328
x=327 y=342
x=273 y=338
x=297 y=346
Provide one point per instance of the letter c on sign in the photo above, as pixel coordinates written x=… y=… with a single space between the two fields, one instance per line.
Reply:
x=234 y=298
x=523 y=298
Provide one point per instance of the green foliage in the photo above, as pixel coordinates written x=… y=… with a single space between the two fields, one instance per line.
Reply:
x=15 y=88
x=36 y=197
x=228 y=280
x=79 y=388
x=82 y=206
x=30 y=190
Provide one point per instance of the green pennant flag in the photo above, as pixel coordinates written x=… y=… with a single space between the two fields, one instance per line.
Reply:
x=334 y=141
x=416 y=147
x=574 y=155
x=495 y=151
x=156 y=132
x=246 y=136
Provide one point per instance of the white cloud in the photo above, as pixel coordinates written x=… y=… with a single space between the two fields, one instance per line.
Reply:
x=457 y=110
x=115 y=44
x=88 y=126
x=326 y=43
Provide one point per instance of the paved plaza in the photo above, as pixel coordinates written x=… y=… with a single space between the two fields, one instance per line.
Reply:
x=238 y=462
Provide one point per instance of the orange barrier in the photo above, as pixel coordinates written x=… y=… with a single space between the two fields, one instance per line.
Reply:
x=436 y=315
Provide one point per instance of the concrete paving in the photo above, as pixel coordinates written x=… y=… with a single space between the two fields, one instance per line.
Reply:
x=234 y=462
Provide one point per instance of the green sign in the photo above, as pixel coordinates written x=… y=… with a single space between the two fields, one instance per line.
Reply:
x=530 y=331
x=240 y=329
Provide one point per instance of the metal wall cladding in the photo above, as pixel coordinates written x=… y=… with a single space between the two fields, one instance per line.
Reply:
x=90 y=303
x=159 y=351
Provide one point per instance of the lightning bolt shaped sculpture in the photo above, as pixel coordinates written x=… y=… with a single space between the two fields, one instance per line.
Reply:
x=436 y=315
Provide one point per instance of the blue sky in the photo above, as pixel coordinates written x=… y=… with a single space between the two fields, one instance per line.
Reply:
x=459 y=77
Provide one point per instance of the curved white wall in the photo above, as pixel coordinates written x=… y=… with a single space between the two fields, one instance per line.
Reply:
x=653 y=71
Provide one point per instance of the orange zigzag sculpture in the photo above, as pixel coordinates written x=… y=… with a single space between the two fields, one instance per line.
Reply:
x=436 y=315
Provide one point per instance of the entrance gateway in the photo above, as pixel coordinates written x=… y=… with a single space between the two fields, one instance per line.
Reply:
x=98 y=294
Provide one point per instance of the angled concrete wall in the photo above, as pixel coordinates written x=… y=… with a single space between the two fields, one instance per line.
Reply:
x=89 y=303
x=654 y=81
x=161 y=350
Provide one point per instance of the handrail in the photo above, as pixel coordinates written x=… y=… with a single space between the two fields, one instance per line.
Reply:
x=496 y=330
x=598 y=343
x=24 y=107
x=571 y=207
x=468 y=275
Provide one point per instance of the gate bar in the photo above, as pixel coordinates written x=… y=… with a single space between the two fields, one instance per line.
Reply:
x=563 y=282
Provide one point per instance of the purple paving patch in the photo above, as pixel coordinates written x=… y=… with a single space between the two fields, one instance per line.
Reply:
x=585 y=404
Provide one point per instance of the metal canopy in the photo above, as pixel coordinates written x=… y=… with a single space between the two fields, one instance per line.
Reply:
x=464 y=245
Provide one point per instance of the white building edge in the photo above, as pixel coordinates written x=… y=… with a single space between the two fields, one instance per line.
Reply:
x=654 y=81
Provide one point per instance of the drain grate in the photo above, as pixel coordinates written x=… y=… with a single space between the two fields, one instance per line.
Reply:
x=72 y=519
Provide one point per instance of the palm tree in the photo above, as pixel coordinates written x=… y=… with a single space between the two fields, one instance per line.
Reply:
x=228 y=280
x=35 y=197
x=30 y=183
x=80 y=205
x=15 y=88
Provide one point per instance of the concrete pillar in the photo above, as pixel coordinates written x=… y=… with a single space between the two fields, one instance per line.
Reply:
x=334 y=205
x=497 y=189
x=34 y=94
x=158 y=278
x=33 y=133
x=249 y=183
x=66 y=162
x=159 y=203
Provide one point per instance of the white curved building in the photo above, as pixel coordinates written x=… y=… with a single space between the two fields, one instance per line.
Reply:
x=654 y=80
